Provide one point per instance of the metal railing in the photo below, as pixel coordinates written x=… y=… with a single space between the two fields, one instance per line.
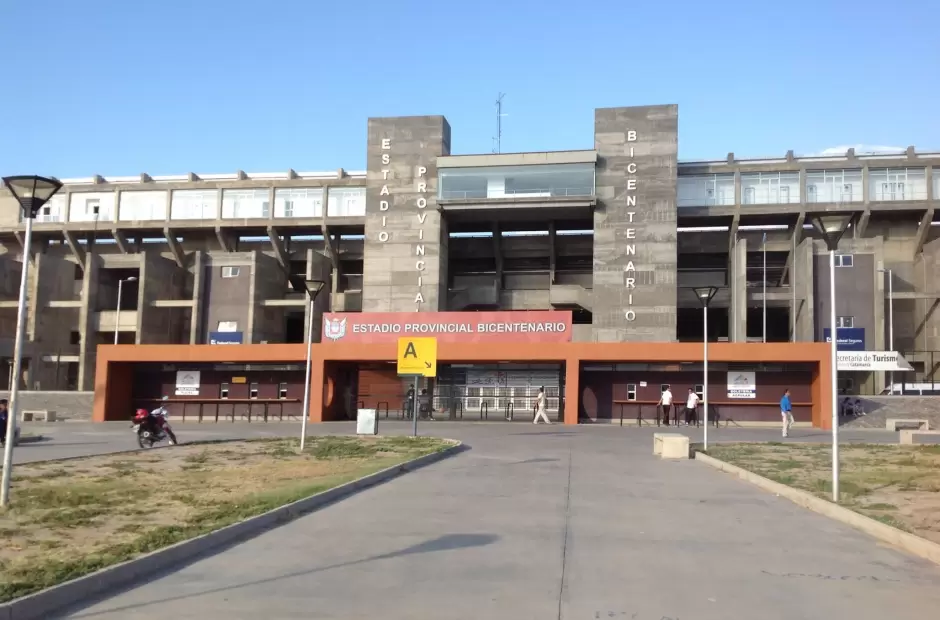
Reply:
x=551 y=192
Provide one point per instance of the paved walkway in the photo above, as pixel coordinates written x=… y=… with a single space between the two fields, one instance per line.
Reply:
x=549 y=522
x=73 y=439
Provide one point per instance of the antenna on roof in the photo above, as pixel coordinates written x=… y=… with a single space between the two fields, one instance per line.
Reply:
x=499 y=123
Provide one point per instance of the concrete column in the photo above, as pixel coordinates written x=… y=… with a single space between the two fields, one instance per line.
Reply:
x=929 y=180
x=319 y=267
x=199 y=278
x=866 y=198
x=160 y=278
x=737 y=315
x=267 y=282
x=48 y=330
x=87 y=348
x=803 y=279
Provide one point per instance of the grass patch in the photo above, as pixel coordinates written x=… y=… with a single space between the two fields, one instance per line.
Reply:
x=897 y=485
x=63 y=524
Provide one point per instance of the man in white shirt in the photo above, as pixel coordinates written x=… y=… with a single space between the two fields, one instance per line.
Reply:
x=691 y=406
x=540 y=407
x=665 y=401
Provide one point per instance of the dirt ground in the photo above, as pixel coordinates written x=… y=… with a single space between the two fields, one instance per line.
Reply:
x=898 y=485
x=73 y=517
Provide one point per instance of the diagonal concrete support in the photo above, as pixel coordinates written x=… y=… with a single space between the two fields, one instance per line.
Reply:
x=280 y=253
x=226 y=240
x=330 y=244
x=77 y=250
x=795 y=238
x=120 y=240
x=175 y=248
x=922 y=230
x=733 y=232
x=863 y=222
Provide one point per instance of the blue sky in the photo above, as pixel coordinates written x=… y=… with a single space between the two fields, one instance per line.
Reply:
x=118 y=87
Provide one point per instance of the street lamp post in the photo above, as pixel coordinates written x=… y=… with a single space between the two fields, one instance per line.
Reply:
x=117 y=313
x=890 y=320
x=312 y=288
x=31 y=192
x=831 y=227
x=705 y=294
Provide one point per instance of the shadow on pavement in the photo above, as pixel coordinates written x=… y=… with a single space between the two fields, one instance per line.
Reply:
x=447 y=542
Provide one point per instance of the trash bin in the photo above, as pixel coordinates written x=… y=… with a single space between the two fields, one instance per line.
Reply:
x=367 y=422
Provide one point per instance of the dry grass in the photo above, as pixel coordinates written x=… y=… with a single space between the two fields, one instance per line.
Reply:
x=69 y=519
x=897 y=485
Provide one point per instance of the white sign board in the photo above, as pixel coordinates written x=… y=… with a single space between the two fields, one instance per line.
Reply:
x=742 y=384
x=187 y=383
x=877 y=361
x=367 y=422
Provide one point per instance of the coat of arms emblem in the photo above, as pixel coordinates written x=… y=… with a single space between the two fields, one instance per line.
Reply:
x=334 y=329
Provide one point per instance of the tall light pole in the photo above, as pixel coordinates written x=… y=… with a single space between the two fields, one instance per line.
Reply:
x=705 y=294
x=31 y=192
x=117 y=312
x=890 y=320
x=312 y=288
x=831 y=227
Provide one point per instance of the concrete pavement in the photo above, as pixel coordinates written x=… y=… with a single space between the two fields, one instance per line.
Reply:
x=549 y=522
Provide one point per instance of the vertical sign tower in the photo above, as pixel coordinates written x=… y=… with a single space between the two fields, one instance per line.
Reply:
x=635 y=224
x=405 y=253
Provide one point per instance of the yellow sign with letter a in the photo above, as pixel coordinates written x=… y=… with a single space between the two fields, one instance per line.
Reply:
x=417 y=357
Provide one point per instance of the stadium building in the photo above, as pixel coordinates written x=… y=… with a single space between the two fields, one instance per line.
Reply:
x=571 y=270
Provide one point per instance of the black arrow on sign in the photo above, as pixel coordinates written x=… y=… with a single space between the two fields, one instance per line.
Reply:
x=427 y=364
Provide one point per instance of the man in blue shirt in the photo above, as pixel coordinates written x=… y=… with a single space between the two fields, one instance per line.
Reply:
x=786 y=412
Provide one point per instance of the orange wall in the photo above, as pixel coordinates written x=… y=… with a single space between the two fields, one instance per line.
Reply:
x=112 y=394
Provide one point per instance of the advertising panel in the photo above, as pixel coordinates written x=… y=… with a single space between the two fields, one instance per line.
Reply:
x=372 y=327
x=742 y=384
x=225 y=337
x=850 y=338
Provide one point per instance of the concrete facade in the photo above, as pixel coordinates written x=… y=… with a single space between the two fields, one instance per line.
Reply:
x=387 y=239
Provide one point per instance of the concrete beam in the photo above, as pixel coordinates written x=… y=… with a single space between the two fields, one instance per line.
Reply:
x=120 y=240
x=172 y=303
x=280 y=253
x=551 y=252
x=226 y=239
x=863 y=222
x=922 y=229
x=915 y=295
x=175 y=247
x=77 y=250
x=733 y=231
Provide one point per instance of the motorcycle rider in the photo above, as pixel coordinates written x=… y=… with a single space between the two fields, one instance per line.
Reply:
x=158 y=419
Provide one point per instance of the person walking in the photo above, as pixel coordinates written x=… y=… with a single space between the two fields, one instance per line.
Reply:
x=691 y=408
x=786 y=412
x=4 y=412
x=665 y=401
x=540 y=407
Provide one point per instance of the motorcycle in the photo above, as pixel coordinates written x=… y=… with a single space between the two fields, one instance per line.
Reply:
x=152 y=429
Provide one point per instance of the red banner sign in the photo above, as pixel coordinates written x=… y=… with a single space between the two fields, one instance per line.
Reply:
x=523 y=326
